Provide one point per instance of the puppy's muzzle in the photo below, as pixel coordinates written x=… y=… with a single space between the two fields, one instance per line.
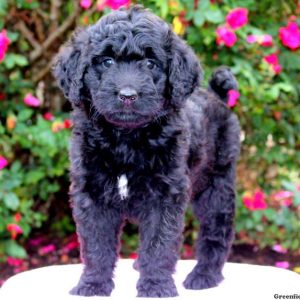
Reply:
x=127 y=96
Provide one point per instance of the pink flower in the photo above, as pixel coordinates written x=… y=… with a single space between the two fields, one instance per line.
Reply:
x=36 y=241
x=266 y=40
x=4 y=42
x=86 y=4
x=284 y=197
x=14 y=230
x=101 y=5
x=282 y=264
x=237 y=18
x=14 y=262
x=115 y=4
x=225 y=36
x=3 y=162
x=47 y=249
x=30 y=100
x=290 y=35
x=277 y=69
x=283 y=194
x=233 y=97
x=278 y=248
x=255 y=201
x=48 y=116
x=70 y=246
x=251 y=39
x=273 y=60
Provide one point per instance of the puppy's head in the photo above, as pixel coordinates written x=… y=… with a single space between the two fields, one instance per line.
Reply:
x=129 y=66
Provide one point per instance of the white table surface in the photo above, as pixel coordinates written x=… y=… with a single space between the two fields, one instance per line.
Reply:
x=241 y=282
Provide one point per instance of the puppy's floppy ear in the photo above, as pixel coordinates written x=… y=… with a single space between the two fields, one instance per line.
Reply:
x=69 y=67
x=185 y=72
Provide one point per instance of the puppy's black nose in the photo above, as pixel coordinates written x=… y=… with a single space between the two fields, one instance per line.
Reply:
x=127 y=95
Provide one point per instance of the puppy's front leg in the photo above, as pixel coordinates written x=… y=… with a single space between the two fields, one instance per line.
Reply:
x=160 y=232
x=98 y=229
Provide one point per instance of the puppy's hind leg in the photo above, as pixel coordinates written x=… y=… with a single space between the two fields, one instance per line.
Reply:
x=215 y=208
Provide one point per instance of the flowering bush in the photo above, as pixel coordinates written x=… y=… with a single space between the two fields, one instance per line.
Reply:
x=260 y=44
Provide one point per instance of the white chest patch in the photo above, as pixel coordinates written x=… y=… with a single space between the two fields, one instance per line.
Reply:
x=123 y=186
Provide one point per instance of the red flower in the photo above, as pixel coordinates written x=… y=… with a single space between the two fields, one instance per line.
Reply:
x=255 y=201
x=67 y=123
x=4 y=42
x=237 y=18
x=30 y=100
x=225 y=36
x=290 y=35
x=233 y=97
x=187 y=252
x=115 y=4
x=3 y=162
x=14 y=230
x=133 y=255
x=48 y=116
x=17 y=217
x=2 y=96
x=273 y=60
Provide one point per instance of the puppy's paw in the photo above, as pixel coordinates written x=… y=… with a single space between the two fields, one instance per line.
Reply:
x=222 y=81
x=156 y=288
x=93 y=289
x=197 y=281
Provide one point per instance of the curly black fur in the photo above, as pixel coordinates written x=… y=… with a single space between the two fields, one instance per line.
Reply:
x=139 y=114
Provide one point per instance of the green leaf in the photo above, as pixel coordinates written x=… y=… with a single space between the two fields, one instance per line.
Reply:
x=203 y=5
x=25 y=114
x=290 y=60
x=13 y=249
x=34 y=176
x=3 y=7
x=199 y=18
x=214 y=16
x=11 y=60
x=11 y=201
x=21 y=60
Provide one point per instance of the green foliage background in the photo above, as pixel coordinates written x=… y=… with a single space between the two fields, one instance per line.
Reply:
x=35 y=183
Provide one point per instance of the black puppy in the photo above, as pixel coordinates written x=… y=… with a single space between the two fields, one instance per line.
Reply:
x=146 y=141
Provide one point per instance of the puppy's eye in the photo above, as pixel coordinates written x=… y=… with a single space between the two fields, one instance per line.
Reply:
x=108 y=62
x=150 y=64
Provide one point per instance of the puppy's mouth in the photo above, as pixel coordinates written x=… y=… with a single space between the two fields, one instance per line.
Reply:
x=127 y=119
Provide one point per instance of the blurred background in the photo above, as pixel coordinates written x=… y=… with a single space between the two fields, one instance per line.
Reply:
x=259 y=40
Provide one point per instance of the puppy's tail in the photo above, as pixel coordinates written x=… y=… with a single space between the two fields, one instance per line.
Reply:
x=221 y=81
